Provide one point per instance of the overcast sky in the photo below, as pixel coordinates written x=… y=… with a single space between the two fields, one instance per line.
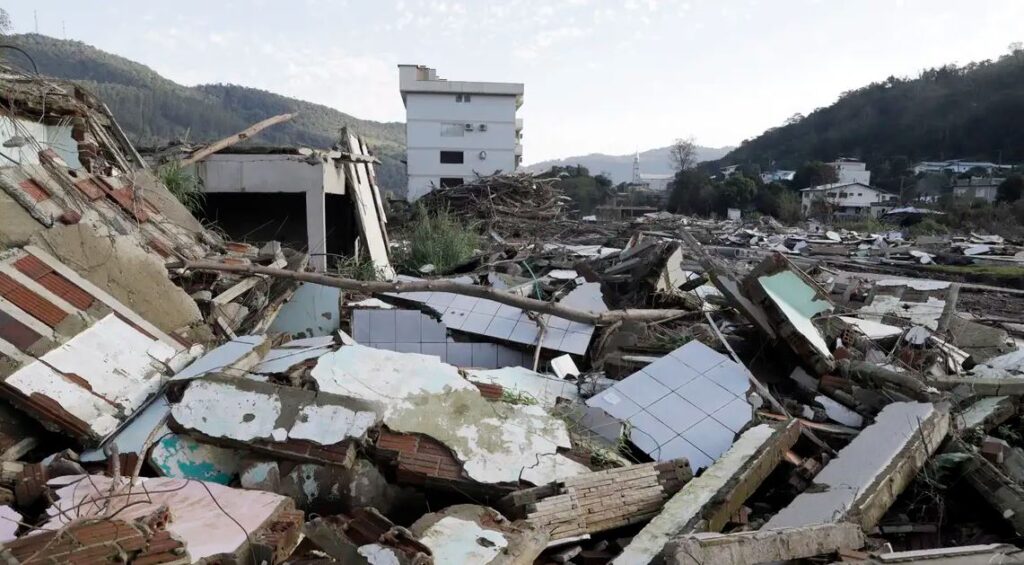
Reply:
x=601 y=75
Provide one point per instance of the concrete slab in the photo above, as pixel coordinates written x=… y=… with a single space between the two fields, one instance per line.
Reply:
x=868 y=474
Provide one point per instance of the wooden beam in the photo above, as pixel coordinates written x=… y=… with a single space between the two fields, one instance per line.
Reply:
x=488 y=293
x=248 y=132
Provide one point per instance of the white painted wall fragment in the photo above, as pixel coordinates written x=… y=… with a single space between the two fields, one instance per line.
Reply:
x=799 y=303
x=454 y=540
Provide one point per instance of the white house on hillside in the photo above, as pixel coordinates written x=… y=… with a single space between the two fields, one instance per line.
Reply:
x=845 y=199
x=851 y=170
x=455 y=129
x=986 y=188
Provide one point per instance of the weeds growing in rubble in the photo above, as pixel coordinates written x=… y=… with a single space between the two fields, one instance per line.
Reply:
x=439 y=239
x=185 y=186
x=510 y=396
x=358 y=269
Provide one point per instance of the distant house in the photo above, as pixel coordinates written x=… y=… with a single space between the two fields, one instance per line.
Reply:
x=851 y=170
x=957 y=166
x=985 y=188
x=846 y=199
x=777 y=176
x=656 y=182
x=729 y=170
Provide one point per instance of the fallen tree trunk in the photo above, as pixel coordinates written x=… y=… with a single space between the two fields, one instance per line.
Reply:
x=248 y=132
x=371 y=287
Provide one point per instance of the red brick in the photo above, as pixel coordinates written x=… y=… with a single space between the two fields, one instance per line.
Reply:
x=54 y=282
x=90 y=188
x=33 y=304
x=35 y=190
x=17 y=334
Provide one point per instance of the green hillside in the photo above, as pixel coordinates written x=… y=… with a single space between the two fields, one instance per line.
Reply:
x=975 y=111
x=154 y=110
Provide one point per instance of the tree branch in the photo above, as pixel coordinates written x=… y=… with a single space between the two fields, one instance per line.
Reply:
x=248 y=132
x=372 y=287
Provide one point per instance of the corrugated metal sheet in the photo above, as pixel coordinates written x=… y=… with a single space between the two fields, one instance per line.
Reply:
x=33 y=304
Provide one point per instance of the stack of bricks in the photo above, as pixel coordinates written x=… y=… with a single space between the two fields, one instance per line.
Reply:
x=600 y=501
x=98 y=542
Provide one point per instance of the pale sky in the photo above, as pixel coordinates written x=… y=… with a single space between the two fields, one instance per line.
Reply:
x=601 y=76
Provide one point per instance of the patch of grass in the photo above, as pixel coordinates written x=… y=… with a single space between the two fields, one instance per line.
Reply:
x=185 y=186
x=517 y=397
x=439 y=239
x=987 y=270
x=358 y=269
x=870 y=225
x=927 y=226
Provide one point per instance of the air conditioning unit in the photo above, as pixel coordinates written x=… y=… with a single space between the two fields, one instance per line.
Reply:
x=469 y=127
x=483 y=127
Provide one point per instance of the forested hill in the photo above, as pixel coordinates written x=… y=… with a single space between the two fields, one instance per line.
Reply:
x=975 y=111
x=154 y=110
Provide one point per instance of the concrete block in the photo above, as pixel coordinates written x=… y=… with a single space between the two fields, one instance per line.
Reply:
x=746 y=548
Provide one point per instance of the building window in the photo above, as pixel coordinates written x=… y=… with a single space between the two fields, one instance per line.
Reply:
x=452 y=130
x=448 y=182
x=452 y=157
x=462 y=98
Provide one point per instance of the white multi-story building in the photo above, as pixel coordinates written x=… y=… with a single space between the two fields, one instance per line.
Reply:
x=845 y=199
x=851 y=170
x=455 y=130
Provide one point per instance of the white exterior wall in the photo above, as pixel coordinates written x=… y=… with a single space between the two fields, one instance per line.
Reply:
x=279 y=174
x=57 y=138
x=856 y=196
x=988 y=192
x=852 y=171
x=426 y=114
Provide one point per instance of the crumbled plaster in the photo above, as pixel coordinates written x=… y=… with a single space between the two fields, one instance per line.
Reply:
x=242 y=410
x=18 y=225
x=496 y=441
x=455 y=540
x=120 y=265
x=218 y=410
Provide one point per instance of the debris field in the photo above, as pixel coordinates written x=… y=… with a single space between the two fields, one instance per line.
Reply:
x=665 y=389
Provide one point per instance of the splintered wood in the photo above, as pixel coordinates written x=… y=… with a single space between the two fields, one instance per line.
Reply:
x=603 y=500
x=510 y=204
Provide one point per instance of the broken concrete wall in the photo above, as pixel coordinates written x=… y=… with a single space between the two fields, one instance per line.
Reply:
x=725 y=484
x=748 y=548
x=868 y=474
x=497 y=442
x=119 y=265
x=477 y=535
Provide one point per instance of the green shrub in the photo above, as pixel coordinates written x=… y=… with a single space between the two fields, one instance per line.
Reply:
x=927 y=226
x=186 y=187
x=439 y=239
x=869 y=224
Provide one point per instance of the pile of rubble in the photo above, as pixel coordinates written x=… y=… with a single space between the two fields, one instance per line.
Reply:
x=663 y=390
x=516 y=204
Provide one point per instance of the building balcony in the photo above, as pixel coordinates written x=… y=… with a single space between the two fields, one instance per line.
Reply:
x=518 y=150
x=519 y=124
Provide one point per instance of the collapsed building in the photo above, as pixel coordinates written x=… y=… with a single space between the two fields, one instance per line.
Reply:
x=664 y=389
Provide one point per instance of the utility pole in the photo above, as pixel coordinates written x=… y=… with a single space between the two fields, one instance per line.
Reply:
x=35 y=16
